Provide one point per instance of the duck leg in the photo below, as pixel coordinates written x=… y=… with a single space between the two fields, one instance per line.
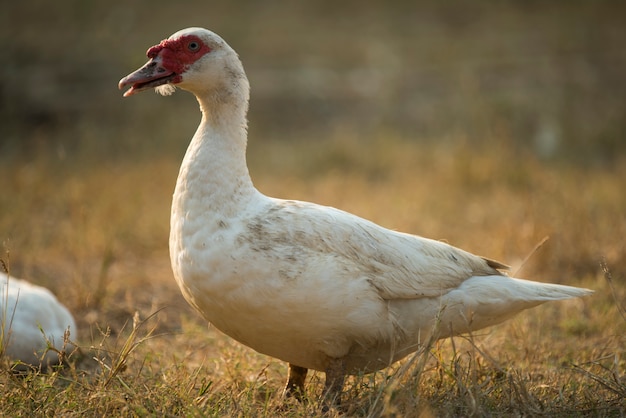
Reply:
x=295 y=382
x=335 y=376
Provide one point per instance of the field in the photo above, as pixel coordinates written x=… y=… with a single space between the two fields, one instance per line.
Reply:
x=489 y=127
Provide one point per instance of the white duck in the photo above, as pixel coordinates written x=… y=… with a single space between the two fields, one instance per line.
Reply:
x=311 y=285
x=25 y=311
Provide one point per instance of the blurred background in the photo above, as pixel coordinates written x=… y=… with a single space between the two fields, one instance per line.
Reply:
x=546 y=76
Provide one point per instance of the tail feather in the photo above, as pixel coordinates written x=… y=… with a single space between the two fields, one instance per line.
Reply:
x=502 y=289
x=490 y=300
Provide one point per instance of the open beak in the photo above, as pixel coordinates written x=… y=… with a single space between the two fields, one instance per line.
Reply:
x=152 y=74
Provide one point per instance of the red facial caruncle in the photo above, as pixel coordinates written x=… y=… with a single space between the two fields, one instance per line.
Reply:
x=178 y=54
x=168 y=62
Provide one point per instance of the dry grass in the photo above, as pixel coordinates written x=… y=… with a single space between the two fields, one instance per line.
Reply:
x=144 y=352
x=489 y=126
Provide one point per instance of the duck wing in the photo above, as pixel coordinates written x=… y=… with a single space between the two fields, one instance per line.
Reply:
x=397 y=265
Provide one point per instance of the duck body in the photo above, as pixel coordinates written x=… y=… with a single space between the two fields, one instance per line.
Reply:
x=312 y=285
x=307 y=284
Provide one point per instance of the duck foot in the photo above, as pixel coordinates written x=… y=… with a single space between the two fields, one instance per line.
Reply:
x=335 y=376
x=295 y=382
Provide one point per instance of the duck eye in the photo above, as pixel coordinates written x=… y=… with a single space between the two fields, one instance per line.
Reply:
x=193 y=46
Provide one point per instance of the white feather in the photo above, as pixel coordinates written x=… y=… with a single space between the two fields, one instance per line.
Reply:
x=165 y=89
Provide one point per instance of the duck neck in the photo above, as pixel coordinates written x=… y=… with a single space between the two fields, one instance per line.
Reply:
x=214 y=175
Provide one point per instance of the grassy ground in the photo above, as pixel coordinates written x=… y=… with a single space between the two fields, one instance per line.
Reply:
x=488 y=127
x=103 y=251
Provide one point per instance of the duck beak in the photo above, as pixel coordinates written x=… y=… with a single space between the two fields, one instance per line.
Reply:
x=152 y=74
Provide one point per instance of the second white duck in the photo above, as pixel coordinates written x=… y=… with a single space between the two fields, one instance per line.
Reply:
x=33 y=324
